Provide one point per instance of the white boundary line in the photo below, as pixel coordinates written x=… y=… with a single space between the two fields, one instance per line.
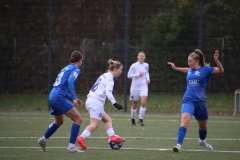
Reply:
x=212 y=139
x=148 y=120
x=146 y=149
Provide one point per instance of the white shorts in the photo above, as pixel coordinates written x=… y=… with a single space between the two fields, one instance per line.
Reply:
x=95 y=108
x=135 y=95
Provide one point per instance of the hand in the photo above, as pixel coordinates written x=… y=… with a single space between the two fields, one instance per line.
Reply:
x=172 y=65
x=140 y=74
x=216 y=55
x=118 y=106
x=148 y=81
x=77 y=102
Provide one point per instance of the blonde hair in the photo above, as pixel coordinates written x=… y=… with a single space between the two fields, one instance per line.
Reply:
x=141 y=52
x=198 y=55
x=113 y=64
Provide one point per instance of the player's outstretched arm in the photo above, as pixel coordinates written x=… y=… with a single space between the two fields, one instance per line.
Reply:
x=184 y=70
x=219 y=69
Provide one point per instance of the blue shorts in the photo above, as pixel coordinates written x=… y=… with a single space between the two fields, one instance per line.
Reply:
x=60 y=107
x=198 y=109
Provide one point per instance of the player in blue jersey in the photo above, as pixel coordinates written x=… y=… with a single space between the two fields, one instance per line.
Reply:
x=101 y=90
x=194 y=99
x=59 y=100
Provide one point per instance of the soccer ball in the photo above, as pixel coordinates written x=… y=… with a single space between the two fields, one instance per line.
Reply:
x=114 y=145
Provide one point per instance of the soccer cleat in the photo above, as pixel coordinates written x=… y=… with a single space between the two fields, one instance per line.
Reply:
x=205 y=144
x=42 y=144
x=133 y=122
x=74 y=149
x=176 y=148
x=141 y=122
x=81 y=142
x=116 y=139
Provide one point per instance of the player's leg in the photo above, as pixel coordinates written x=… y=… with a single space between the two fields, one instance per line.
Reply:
x=74 y=115
x=202 y=135
x=94 y=123
x=201 y=115
x=143 y=95
x=50 y=130
x=133 y=112
x=109 y=129
x=95 y=109
x=134 y=97
x=187 y=112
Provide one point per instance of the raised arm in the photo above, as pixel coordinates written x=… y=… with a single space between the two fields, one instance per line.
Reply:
x=219 y=69
x=184 y=70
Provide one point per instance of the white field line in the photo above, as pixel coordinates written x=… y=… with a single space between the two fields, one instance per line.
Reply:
x=115 y=114
x=146 y=149
x=164 y=138
x=147 y=120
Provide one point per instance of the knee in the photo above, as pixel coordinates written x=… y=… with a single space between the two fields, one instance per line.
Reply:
x=109 y=120
x=134 y=106
x=143 y=104
x=78 y=120
x=185 y=122
x=59 y=123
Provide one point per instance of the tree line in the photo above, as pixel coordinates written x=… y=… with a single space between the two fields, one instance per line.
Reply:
x=165 y=30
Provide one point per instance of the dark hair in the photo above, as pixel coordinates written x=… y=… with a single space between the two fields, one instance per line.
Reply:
x=198 y=55
x=113 y=64
x=75 y=56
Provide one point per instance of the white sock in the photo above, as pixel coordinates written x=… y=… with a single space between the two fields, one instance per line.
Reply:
x=71 y=145
x=44 y=139
x=142 y=112
x=110 y=132
x=86 y=134
x=133 y=113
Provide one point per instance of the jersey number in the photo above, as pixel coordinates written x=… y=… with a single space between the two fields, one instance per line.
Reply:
x=95 y=86
x=58 y=80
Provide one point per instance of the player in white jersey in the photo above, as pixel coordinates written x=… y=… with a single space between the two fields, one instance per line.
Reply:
x=102 y=88
x=139 y=73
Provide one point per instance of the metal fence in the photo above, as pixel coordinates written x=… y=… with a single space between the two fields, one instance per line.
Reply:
x=37 y=38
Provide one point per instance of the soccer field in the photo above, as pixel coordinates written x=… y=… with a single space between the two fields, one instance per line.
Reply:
x=19 y=133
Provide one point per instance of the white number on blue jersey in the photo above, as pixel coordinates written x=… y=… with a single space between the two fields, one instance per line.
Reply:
x=58 y=80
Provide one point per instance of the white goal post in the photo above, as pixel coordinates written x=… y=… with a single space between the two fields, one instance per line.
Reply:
x=236 y=102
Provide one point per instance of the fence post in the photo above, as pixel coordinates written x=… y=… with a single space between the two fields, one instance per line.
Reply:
x=236 y=102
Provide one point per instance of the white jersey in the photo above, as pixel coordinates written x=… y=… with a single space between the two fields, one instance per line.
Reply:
x=103 y=88
x=137 y=81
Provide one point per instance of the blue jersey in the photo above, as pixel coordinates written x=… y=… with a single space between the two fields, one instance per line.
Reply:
x=64 y=83
x=197 y=81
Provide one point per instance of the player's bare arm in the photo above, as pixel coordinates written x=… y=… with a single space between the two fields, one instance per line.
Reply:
x=184 y=70
x=219 y=69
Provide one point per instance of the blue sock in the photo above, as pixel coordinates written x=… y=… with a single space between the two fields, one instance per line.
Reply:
x=74 y=133
x=202 y=134
x=51 y=129
x=181 y=135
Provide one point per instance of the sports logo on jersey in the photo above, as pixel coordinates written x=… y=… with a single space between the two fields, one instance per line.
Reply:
x=197 y=73
x=146 y=68
x=193 y=82
x=75 y=74
x=100 y=115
